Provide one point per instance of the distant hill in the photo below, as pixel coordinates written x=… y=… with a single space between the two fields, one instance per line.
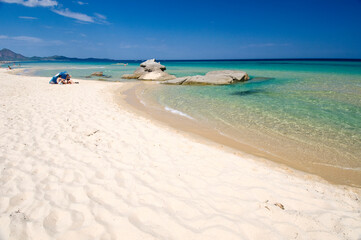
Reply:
x=8 y=55
x=62 y=58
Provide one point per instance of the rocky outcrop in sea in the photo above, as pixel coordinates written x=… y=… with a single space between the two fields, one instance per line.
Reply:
x=212 y=78
x=150 y=70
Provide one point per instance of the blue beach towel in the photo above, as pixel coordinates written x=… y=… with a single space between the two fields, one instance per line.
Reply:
x=61 y=74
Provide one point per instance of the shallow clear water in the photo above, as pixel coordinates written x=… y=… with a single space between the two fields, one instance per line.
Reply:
x=79 y=69
x=306 y=108
x=309 y=108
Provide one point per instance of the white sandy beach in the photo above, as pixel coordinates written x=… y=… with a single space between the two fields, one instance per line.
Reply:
x=74 y=164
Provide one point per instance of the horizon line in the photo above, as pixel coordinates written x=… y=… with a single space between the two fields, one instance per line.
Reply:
x=211 y=59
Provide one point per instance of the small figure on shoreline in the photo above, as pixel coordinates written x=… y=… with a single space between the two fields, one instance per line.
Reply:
x=62 y=78
x=9 y=67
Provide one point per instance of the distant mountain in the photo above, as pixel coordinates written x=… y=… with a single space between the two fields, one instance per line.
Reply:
x=62 y=58
x=8 y=55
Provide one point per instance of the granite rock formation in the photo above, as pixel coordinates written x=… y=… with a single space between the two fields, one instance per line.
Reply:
x=150 y=70
x=212 y=78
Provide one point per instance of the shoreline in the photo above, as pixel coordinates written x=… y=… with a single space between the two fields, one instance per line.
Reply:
x=206 y=132
x=87 y=168
x=126 y=97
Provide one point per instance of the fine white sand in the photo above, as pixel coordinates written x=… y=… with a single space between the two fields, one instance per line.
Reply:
x=76 y=165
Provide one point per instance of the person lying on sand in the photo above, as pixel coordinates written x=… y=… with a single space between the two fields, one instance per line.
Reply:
x=68 y=80
x=61 y=78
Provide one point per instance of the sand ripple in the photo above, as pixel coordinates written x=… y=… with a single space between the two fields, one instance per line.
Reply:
x=76 y=166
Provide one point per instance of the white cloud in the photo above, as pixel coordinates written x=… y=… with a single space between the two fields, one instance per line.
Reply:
x=54 y=6
x=98 y=15
x=33 y=3
x=82 y=3
x=32 y=40
x=22 y=38
x=29 y=18
x=27 y=39
x=100 y=18
x=78 y=16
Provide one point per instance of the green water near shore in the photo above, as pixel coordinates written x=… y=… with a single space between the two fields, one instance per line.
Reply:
x=308 y=111
x=311 y=109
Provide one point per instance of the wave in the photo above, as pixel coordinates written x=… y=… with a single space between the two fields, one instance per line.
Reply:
x=174 y=111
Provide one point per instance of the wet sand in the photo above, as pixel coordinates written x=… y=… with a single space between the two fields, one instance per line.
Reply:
x=291 y=157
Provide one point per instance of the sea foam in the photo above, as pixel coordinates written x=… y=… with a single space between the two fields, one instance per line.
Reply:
x=174 y=111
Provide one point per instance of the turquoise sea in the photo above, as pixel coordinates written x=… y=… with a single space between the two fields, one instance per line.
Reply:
x=306 y=111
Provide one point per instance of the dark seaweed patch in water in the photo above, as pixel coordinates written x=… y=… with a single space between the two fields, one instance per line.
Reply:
x=247 y=92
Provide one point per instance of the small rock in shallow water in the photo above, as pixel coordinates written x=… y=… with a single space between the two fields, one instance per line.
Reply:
x=98 y=74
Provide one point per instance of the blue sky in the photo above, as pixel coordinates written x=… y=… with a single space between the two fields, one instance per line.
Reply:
x=194 y=29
